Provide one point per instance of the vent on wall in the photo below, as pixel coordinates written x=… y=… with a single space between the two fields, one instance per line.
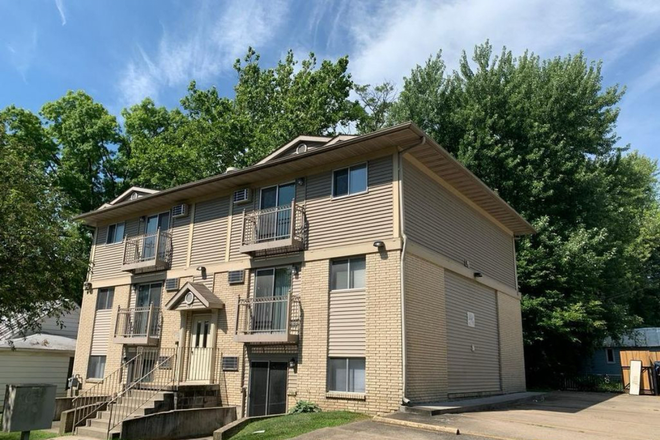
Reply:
x=171 y=284
x=230 y=363
x=179 y=210
x=242 y=196
x=236 y=277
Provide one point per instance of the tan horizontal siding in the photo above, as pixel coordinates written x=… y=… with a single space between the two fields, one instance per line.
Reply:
x=101 y=335
x=354 y=218
x=180 y=234
x=108 y=258
x=471 y=371
x=237 y=229
x=347 y=331
x=441 y=221
x=31 y=367
x=210 y=231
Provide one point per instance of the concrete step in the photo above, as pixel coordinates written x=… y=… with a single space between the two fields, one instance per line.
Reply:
x=93 y=432
x=133 y=412
x=470 y=405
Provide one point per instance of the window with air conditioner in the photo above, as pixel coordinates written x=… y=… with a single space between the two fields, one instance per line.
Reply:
x=242 y=196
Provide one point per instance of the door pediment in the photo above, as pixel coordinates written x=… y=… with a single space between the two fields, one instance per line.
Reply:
x=194 y=296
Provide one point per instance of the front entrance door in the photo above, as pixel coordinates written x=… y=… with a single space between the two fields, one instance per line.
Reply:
x=267 y=388
x=200 y=352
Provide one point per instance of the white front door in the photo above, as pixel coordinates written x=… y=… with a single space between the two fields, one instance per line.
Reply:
x=200 y=350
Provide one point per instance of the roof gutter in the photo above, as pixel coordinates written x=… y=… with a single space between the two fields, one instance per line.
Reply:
x=402 y=231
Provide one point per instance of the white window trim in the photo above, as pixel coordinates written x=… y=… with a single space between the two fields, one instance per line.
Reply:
x=107 y=236
x=607 y=358
x=349 y=289
x=277 y=193
x=349 y=194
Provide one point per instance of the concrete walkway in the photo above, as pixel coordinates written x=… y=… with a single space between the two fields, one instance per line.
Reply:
x=559 y=416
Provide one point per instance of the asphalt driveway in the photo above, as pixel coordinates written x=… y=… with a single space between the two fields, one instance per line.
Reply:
x=557 y=416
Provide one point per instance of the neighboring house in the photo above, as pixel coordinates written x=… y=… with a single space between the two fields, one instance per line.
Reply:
x=357 y=272
x=641 y=344
x=44 y=357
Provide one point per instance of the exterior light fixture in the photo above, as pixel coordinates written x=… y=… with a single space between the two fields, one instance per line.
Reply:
x=478 y=275
x=202 y=269
x=293 y=362
x=300 y=181
x=87 y=287
x=379 y=244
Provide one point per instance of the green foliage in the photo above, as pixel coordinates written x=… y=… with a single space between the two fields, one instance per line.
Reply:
x=304 y=406
x=293 y=425
x=377 y=103
x=43 y=257
x=210 y=133
x=541 y=133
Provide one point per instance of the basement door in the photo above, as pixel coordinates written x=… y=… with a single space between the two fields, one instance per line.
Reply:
x=201 y=352
x=267 y=388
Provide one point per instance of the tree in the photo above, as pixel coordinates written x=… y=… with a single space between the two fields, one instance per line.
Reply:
x=210 y=133
x=85 y=133
x=377 y=102
x=43 y=257
x=541 y=133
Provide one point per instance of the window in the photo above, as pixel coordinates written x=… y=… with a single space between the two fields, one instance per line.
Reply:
x=96 y=367
x=230 y=363
x=346 y=375
x=115 y=233
x=348 y=273
x=352 y=180
x=609 y=353
x=104 y=298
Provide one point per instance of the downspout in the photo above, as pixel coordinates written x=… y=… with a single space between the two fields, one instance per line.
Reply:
x=404 y=246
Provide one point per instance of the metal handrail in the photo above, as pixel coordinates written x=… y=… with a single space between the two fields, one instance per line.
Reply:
x=272 y=224
x=89 y=401
x=138 y=322
x=268 y=315
x=151 y=381
x=148 y=247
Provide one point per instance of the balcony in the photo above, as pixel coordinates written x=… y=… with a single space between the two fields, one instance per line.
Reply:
x=138 y=326
x=148 y=252
x=271 y=319
x=281 y=228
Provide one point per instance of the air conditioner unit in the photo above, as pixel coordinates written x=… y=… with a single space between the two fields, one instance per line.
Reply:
x=171 y=284
x=179 y=210
x=236 y=277
x=242 y=196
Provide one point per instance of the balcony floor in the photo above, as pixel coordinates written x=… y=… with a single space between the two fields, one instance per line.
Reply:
x=266 y=338
x=150 y=341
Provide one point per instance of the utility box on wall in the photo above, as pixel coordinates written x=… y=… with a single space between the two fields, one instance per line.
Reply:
x=28 y=407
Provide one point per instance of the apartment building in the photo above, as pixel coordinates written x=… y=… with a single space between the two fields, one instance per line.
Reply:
x=357 y=272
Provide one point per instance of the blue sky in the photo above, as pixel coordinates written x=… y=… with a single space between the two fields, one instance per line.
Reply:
x=122 y=51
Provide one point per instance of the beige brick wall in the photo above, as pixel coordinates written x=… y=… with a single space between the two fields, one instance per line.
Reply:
x=383 y=337
x=426 y=333
x=511 y=344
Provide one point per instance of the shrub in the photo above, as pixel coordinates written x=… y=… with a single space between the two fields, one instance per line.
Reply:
x=304 y=406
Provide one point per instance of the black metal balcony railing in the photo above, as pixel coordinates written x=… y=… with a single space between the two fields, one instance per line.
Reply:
x=148 y=251
x=138 y=325
x=268 y=319
x=278 y=227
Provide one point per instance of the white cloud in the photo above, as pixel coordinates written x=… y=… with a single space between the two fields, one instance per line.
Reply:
x=22 y=51
x=204 y=46
x=60 y=9
x=395 y=36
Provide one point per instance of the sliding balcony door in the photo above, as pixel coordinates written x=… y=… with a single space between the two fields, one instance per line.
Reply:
x=272 y=288
x=275 y=225
x=155 y=223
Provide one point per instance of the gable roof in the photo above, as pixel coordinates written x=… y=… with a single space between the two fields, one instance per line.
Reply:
x=126 y=195
x=401 y=136
x=292 y=143
x=200 y=292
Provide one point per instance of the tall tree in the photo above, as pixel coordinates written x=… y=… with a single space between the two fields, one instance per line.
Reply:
x=541 y=132
x=43 y=257
x=376 y=102
x=85 y=134
x=210 y=132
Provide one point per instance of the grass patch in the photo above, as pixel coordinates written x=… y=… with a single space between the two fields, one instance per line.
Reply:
x=291 y=425
x=34 y=435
